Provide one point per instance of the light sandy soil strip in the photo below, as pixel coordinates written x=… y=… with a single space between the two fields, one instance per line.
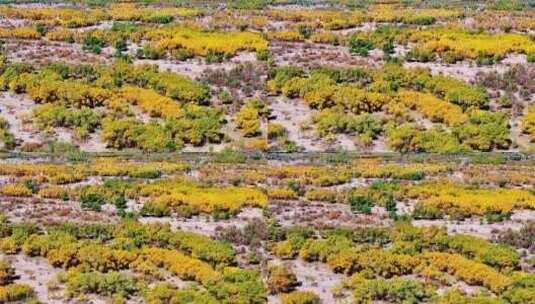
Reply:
x=195 y=67
x=14 y=108
x=467 y=70
x=46 y=51
x=36 y=272
x=292 y=114
x=477 y=228
x=315 y=277
x=205 y=224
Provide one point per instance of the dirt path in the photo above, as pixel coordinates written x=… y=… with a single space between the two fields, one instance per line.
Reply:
x=467 y=71
x=14 y=108
x=36 y=272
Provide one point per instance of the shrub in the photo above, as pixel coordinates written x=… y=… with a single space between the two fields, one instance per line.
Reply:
x=54 y=192
x=214 y=56
x=458 y=92
x=150 y=52
x=282 y=194
x=408 y=138
x=323 y=249
x=484 y=130
x=300 y=297
x=469 y=271
x=280 y=76
x=84 y=120
x=360 y=47
x=281 y=279
x=455 y=296
x=263 y=55
x=275 y=130
x=252 y=234
x=331 y=121
x=289 y=248
x=248 y=120
x=528 y=123
x=388 y=47
x=158 y=209
x=392 y=290
x=469 y=201
x=202 y=199
x=485 y=60
x=162 y=19
x=7 y=273
x=6 y=137
x=523 y=238
x=285 y=36
x=421 y=55
x=16 y=292
x=240 y=286
x=91 y=200
x=360 y=204
x=325 y=37
x=198 y=125
x=108 y=284
x=322 y=195
x=93 y=44
x=222 y=44
x=182 y=54
x=435 y=109
x=167 y=293
x=374 y=262
x=156 y=138
x=16 y=190
x=226 y=97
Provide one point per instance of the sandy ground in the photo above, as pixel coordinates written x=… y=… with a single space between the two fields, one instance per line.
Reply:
x=380 y=146
x=93 y=143
x=205 y=224
x=40 y=275
x=467 y=70
x=12 y=22
x=322 y=215
x=475 y=226
x=315 y=277
x=45 y=51
x=14 y=108
x=292 y=114
x=49 y=211
x=37 y=272
x=17 y=108
x=102 y=25
x=522 y=140
x=364 y=27
x=305 y=54
x=195 y=67
x=295 y=116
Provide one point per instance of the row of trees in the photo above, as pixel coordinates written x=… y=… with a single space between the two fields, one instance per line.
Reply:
x=348 y=99
x=71 y=94
x=76 y=17
x=451 y=44
x=429 y=254
x=94 y=255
